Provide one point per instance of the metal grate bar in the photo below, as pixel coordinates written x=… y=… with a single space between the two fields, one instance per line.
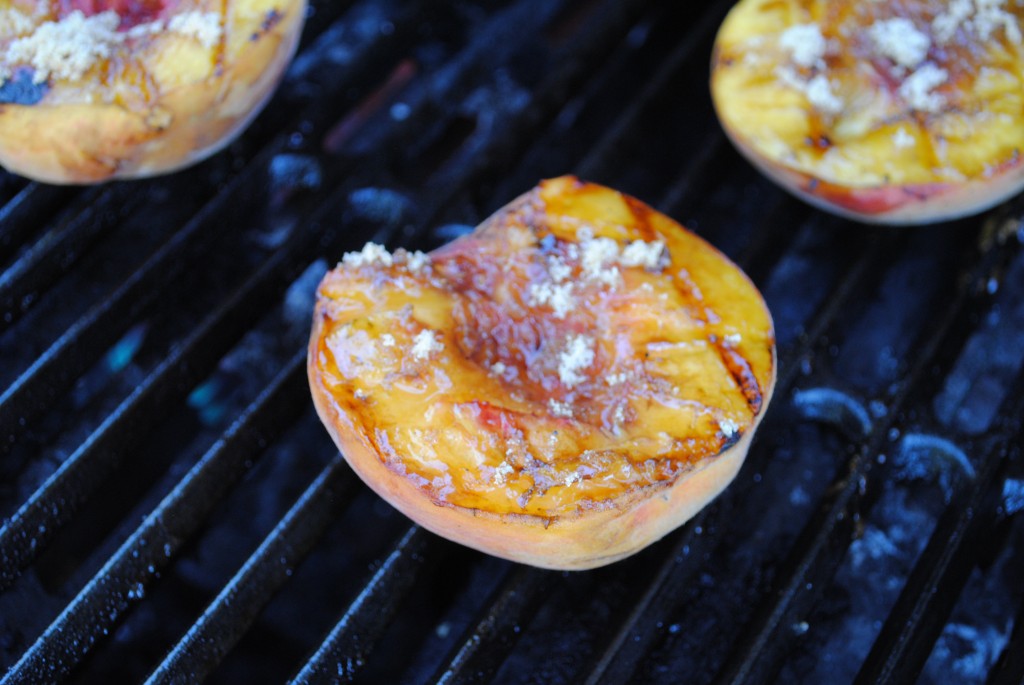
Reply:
x=481 y=153
x=26 y=211
x=26 y=533
x=695 y=180
x=1009 y=670
x=228 y=616
x=817 y=554
x=582 y=114
x=636 y=634
x=505 y=135
x=37 y=268
x=345 y=649
x=916 y=620
x=608 y=148
x=71 y=354
x=572 y=65
x=495 y=633
x=605 y=148
x=852 y=280
x=123 y=579
x=822 y=544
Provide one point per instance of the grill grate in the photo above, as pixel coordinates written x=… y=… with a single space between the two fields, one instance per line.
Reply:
x=154 y=332
x=350 y=642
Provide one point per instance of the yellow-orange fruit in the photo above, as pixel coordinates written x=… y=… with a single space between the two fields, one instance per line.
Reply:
x=889 y=112
x=562 y=387
x=94 y=90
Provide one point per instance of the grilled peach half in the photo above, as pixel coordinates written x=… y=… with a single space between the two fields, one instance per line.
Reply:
x=93 y=90
x=900 y=113
x=562 y=387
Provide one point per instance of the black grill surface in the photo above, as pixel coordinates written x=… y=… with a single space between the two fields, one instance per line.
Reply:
x=173 y=511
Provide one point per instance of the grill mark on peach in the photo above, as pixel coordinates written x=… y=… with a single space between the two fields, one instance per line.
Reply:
x=737 y=366
x=219 y=51
x=741 y=372
x=641 y=214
